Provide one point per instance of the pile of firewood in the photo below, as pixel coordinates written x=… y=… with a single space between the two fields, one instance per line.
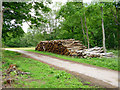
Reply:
x=63 y=47
x=71 y=47
x=94 y=52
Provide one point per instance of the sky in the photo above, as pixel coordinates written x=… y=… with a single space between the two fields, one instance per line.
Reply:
x=25 y=25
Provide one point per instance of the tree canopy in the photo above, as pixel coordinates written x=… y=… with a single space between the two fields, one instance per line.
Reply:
x=73 y=20
x=72 y=12
x=15 y=13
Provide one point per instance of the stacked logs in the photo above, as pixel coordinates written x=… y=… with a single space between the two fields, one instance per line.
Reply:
x=94 y=52
x=64 y=47
x=71 y=47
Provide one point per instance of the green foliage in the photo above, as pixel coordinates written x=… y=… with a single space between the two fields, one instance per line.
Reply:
x=16 y=13
x=28 y=39
x=71 y=27
x=110 y=63
x=42 y=76
x=69 y=18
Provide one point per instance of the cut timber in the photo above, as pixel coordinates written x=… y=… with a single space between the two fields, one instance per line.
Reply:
x=63 y=47
x=71 y=47
x=94 y=52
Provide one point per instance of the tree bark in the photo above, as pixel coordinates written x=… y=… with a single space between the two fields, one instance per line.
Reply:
x=83 y=30
x=1 y=23
x=117 y=5
x=115 y=16
x=87 y=31
x=55 y=26
x=103 y=31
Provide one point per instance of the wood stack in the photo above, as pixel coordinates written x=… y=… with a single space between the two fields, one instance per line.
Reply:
x=63 y=47
x=94 y=52
x=71 y=47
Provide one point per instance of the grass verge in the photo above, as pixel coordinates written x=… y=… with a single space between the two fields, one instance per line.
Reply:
x=42 y=75
x=110 y=63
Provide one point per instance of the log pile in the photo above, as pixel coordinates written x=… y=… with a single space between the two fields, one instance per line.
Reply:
x=64 y=47
x=71 y=47
x=94 y=52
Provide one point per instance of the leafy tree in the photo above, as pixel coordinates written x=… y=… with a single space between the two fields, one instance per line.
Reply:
x=76 y=20
x=104 y=48
x=15 y=13
x=71 y=27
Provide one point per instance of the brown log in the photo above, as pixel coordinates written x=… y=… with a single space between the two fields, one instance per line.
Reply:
x=63 y=47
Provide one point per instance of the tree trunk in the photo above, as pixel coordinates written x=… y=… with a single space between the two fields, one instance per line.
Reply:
x=115 y=16
x=1 y=22
x=103 y=31
x=87 y=32
x=55 y=27
x=83 y=30
x=118 y=27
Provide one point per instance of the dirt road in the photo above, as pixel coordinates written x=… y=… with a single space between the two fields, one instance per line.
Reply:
x=99 y=76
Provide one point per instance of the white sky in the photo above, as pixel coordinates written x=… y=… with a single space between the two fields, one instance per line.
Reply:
x=26 y=26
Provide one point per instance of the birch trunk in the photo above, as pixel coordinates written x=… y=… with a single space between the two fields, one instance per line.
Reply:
x=83 y=30
x=87 y=32
x=103 y=31
x=55 y=25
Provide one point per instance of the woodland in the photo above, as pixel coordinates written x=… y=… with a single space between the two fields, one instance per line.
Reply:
x=73 y=35
x=94 y=24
